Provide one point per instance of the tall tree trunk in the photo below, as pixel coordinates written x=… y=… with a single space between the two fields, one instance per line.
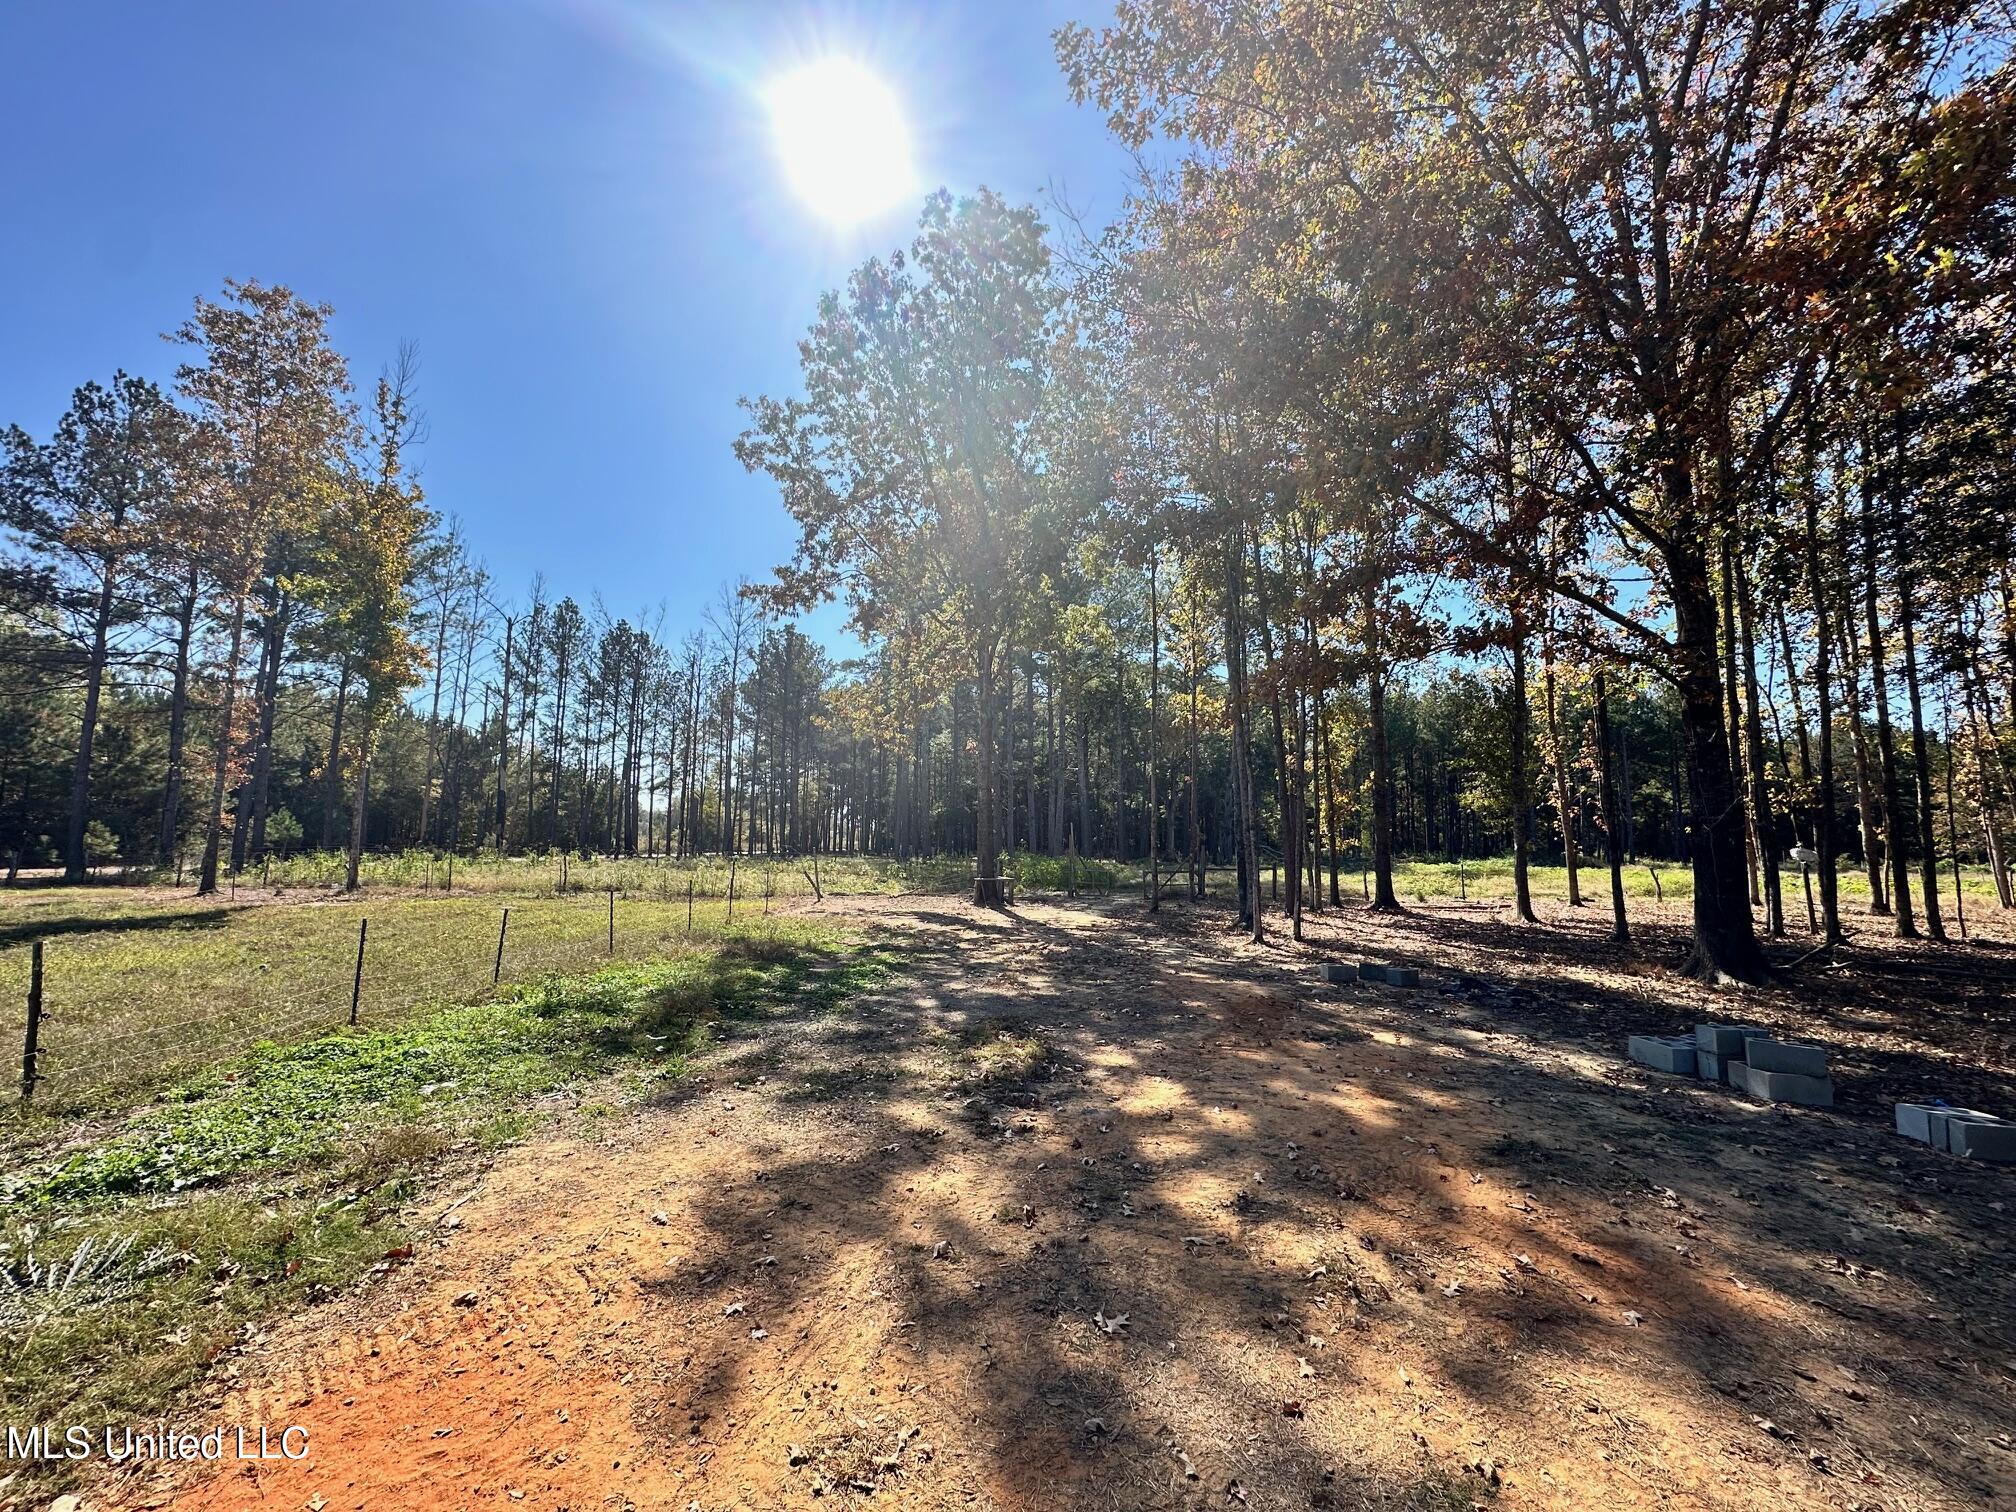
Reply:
x=1886 y=740
x=213 y=836
x=987 y=864
x=1725 y=935
x=1865 y=783
x=1054 y=830
x=1564 y=805
x=1384 y=900
x=1760 y=792
x=1029 y=768
x=1245 y=815
x=503 y=737
x=1154 y=729
x=1291 y=814
x=269 y=709
x=80 y=771
x=433 y=728
x=1921 y=757
x=178 y=710
x=1620 y=928
x=332 y=774
x=1824 y=818
x=355 y=851
x=1190 y=796
x=1521 y=787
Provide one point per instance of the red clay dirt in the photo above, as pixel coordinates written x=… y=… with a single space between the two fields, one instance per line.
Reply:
x=1098 y=1210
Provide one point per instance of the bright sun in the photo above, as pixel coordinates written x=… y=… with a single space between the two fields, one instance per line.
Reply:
x=842 y=137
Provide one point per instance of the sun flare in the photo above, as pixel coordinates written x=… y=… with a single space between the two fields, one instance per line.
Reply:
x=842 y=138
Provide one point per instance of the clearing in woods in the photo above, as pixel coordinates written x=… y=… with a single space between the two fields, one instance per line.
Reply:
x=1093 y=1210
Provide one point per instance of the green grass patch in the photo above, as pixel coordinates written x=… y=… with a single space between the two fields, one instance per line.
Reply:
x=114 y=1340
x=143 y=988
x=1002 y=1052
x=284 y=1106
x=130 y=1258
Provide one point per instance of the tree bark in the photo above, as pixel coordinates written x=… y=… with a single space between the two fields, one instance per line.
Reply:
x=1823 y=819
x=178 y=709
x=1886 y=740
x=1760 y=792
x=1384 y=899
x=206 y=880
x=74 y=859
x=1563 y=808
x=1620 y=928
x=987 y=866
x=357 y=813
x=1725 y=935
x=1921 y=758
x=1521 y=787
x=332 y=773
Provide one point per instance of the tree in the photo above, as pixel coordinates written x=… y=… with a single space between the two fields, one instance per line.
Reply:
x=912 y=461
x=268 y=398
x=378 y=527
x=1614 y=177
x=87 y=504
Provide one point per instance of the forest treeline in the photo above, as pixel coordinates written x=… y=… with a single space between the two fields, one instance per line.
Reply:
x=1488 y=429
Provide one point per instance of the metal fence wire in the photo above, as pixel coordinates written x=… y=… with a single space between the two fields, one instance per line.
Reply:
x=100 y=1036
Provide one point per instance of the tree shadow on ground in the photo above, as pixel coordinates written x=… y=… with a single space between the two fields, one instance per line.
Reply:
x=29 y=930
x=1353 y=1237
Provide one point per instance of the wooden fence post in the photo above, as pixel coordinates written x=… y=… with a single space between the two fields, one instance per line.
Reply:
x=357 y=981
x=612 y=921
x=689 y=905
x=29 y=1042
x=497 y=970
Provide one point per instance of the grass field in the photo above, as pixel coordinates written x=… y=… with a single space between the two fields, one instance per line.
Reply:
x=140 y=985
x=661 y=876
x=143 y=984
x=133 y=1250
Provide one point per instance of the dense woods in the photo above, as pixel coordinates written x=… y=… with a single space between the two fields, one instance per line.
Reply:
x=1580 y=435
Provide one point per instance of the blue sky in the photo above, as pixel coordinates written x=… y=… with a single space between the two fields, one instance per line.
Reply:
x=572 y=207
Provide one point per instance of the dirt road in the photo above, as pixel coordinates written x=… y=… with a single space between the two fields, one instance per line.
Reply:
x=1092 y=1211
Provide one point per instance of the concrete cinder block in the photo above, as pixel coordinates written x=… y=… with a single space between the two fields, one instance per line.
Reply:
x=1781 y=1055
x=1939 y=1120
x=1980 y=1137
x=1782 y=1086
x=1914 y=1121
x=1726 y=1039
x=1710 y=1066
x=1402 y=976
x=1674 y=1053
x=1336 y=972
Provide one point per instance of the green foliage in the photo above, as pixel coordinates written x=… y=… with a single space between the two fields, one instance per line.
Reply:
x=284 y=1106
x=128 y=1263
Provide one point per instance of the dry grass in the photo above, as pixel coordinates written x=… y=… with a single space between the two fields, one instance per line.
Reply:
x=143 y=984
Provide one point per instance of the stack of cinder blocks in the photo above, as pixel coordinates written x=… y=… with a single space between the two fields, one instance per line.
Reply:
x=1745 y=1057
x=1779 y=1071
x=1338 y=973
x=1392 y=976
x=1958 y=1131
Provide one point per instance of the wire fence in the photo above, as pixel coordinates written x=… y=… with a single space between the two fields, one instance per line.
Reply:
x=152 y=997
